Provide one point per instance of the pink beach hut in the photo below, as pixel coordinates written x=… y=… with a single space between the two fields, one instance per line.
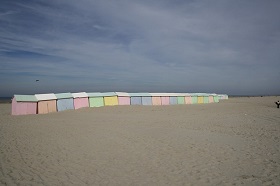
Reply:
x=46 y=103
x=123 y=98
x=165 y=100
x=24 y=105
x=80 y=100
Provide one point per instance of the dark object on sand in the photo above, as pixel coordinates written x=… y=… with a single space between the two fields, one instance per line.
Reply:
x=277 y=103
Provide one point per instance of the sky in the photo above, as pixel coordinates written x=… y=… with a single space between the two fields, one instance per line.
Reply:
x=220 y=46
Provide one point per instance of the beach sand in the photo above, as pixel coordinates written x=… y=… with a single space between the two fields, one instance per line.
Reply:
x=234 y=142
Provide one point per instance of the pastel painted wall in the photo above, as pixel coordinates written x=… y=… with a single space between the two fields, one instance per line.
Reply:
x=211 y=99
x=65 y=104
x=23 y=108
x=48 y=106
x=165 y=100
x=200 y=99
x=194 y=99
x=146 y=100
x=124 y=100
x=216 y=99
x=156 y=100
x=188 y=100
x=205 y=99
x=110 y=100
x=135 y=100
x=181 y=100
x=173 y=100
x=96 y=101
x=80 y=103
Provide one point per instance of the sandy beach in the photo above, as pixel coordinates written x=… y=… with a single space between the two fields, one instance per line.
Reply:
x=234 y=142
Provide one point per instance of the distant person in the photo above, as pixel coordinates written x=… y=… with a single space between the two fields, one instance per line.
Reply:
x=277 y=103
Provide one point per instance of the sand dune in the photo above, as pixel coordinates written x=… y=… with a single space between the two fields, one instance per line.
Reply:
x=234 y=142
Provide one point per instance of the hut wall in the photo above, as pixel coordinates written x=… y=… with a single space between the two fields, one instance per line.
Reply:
x=96 y=101
x=194 y=100
x=211 y=99
x=188 y=100
x=136 y=100
x=173 y=100
x=146 y=100
x=80 y=103
x=156 y=100
x=181 y=100
x=65 y=104
x=205 y=99
x=165 y=100
x=23 y=108
x=110 y=100
x=124 y=100
x=200 y=99
x=216 y=99
x=48 y=106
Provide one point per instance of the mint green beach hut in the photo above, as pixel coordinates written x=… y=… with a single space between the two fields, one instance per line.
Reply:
x=194 y=98
x=96 y=99
x=181 y=99
x=205 y=98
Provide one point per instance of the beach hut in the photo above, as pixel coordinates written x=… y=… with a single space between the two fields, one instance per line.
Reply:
x=211 y=98
x=46 y=103
x=205 y=98
x=123 y=98
x=156 y=98
x=64 y=101
x=96 y=99
x=223 y=96
x=80 y=100
x=181 y=98
x=200 y=98
x=188 y=98
x=194 y=98
x=24 y=105
x=173 y=98
x=165 y=100
x=216 y=98
x=136 y=98
x=146 y=98
x=110 y=98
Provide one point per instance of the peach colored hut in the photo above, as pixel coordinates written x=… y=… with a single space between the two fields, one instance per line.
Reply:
x=211 y=98
x=188 y=98
x=123 y=98
x=46 y=103
x=156 y=98
x=24 y=104
x=80 y=100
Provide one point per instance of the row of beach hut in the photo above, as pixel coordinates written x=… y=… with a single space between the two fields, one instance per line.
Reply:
x=47 y=103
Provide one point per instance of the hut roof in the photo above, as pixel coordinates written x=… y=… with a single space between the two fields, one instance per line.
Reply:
x=94 y=94
x=107 y=94
x=139 y=94
x=25 y=98
x=80 y=95
x=44 y=97
x=63 y=95
x=122 y=94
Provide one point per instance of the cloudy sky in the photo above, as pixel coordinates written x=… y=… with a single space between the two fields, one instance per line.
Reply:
x=221 y=46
